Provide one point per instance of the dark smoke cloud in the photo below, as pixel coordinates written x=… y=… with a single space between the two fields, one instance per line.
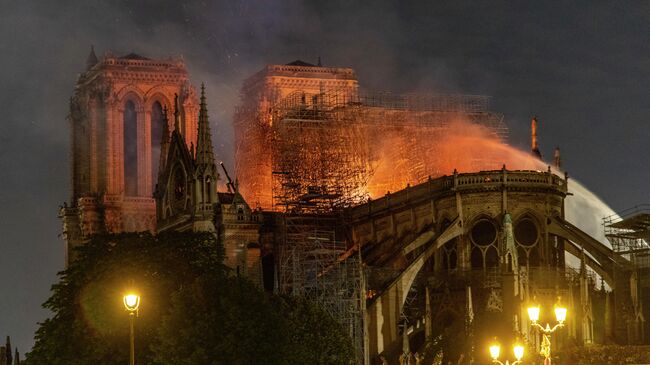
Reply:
x=582 y=67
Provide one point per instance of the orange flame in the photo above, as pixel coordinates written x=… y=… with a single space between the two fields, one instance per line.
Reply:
x=410 y=157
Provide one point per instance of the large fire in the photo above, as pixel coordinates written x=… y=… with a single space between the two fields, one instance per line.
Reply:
x=459 y=145
x=338 y=151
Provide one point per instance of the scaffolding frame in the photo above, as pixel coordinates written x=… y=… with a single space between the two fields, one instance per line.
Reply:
x=320 y=161
x=326 y=148
x=629 y=233
x=310 y=155
x=311 y=266
x=629 y=230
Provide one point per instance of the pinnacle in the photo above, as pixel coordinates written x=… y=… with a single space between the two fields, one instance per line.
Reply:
x=92 y=58
x=204 y=153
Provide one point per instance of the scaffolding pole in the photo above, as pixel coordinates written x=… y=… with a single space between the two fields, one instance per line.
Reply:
x=310 y=267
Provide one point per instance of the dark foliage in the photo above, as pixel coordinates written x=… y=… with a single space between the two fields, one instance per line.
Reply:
x=193 y=310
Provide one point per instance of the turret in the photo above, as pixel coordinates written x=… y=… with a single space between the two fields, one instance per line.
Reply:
x=534 y=148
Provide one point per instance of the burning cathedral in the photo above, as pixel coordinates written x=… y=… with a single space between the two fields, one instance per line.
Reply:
x=407 y=217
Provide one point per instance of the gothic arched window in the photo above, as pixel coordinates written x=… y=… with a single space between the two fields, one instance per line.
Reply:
x=527 y=237
x=492 y=257
x=130 y=149
x=449 y=250
x=526 y=232
x=483 y=236
x=179 y=187
x=156 y=139
x=208 y=187
x=476 y=258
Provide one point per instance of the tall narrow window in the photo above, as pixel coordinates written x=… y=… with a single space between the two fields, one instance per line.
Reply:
x=130 y=150
x=156 y=139
x=208 y=185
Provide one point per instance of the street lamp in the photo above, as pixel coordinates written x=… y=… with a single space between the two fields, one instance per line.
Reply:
x=496 y=349
x=131 y=303
x=560 y=315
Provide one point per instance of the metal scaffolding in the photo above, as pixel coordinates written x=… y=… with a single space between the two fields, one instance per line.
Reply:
x=629 y=233
x=333 y=150
x=321 y=162
x=311 y=266
x=310 y=155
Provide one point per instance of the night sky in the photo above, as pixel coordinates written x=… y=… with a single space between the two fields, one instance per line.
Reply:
x=583 y=67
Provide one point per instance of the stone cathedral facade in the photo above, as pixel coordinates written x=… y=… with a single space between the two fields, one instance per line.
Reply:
x=135 y=169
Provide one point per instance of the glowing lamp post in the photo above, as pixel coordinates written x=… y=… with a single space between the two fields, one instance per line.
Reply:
x=560 y=316
x=131 y=303
x=496 y=349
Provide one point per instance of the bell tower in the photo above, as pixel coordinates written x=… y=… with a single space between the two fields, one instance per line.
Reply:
x=117 y=123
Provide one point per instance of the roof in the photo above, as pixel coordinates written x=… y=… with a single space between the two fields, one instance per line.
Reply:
x=300 y=63
x=226 y=198
x=639 y=223
x=134 y=56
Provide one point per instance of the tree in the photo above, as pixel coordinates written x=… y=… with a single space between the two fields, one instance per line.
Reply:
x=89 y=324
x=222 y=320
x=225 y=320
x=321 y=338
x=193 y=310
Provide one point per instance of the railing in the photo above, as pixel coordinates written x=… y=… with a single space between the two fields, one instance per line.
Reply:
x=537 y=277
x=346 y=72
x=112 y=60
x=464 y=182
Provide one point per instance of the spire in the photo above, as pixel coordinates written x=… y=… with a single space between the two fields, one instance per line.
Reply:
x=204 y=153
x=319 y=64
x=9 y=353
x=557 y=160
x=92 y=58
x=177 y=115
x=534 y=148
x=17 y=358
